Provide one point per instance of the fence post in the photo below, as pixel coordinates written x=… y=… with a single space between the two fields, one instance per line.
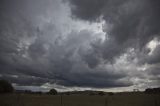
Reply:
x=106 y=101
x=61 y=100
x=155 y=102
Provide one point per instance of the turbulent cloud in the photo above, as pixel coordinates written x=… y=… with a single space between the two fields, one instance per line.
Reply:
x=79 y=43
x=128 y=24
x=87 y=9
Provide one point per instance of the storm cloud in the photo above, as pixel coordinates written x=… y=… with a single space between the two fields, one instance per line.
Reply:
x=80 y=43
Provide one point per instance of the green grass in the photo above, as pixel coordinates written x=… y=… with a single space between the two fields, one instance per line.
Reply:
x=80 y=100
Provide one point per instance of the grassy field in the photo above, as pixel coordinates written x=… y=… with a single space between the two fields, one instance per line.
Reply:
x=80 y=100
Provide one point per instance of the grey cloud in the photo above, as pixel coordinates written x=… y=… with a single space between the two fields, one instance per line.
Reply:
x=154 y=58
x=97 y=77
x=24 y=80
x=154 y=73
x=154 y=70
x=148 y=57
x=134 y=23
x=87 y=9
x=35 y=46
x=91 y=59
x=128 y=24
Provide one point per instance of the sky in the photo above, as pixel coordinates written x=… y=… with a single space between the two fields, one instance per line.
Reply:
x=108 y=45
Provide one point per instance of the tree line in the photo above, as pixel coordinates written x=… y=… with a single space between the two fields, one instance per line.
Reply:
x=6 y=87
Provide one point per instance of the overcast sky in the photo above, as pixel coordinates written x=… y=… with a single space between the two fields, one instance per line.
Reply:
x=110 y=45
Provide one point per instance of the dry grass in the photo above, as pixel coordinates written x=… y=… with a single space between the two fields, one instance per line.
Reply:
x=80 y=100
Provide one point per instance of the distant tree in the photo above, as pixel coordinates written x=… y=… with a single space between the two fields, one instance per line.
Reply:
x=28 y=92
x=110 y=93
x=152 y=90
x=52 y=92
x=135 y=90
x=101 y=93
x=67 y=93
x=5 y=87
x=91 y=93
x=39 y=92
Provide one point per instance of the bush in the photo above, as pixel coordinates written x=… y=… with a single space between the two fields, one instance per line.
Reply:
x=91 y=93
x=5 y=87
x=152 y=90
x=52 y=92
x=101 y=93
x=110 y=93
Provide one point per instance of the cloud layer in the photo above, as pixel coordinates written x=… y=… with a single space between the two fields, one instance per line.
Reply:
x=80 y=43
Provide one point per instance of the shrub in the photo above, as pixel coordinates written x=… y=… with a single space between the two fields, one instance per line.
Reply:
x=152 y=90
x=52 y=92
x=110 y=93
x=101 y=93
x=5 y=87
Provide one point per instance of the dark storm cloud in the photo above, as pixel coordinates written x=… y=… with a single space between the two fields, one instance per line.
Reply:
x=129 y=24
x=154 y=70
x=37 y=44
x=95 y=79
x=87 y=9
x=24 y=80
x=146 y=56
x=154 y=73
x=35 y=50
x=154 y=58
x=132 y=23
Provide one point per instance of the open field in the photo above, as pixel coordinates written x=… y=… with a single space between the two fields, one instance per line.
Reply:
x=80 y=100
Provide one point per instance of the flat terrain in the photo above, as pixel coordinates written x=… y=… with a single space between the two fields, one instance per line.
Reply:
x=80 y=100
